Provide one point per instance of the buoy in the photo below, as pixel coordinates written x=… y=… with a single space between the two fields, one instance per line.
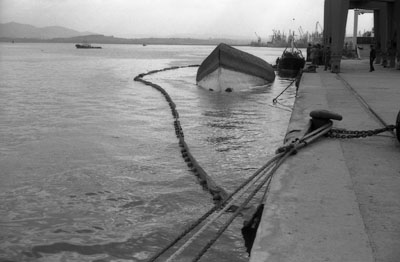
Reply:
x=398 y=126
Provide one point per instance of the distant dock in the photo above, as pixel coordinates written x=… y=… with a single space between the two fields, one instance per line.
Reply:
x=338 y=199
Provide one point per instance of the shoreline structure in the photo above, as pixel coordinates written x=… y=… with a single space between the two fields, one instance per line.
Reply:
x=338 y=199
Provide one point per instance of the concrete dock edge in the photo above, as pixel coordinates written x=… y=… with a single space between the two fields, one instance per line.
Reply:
x=317 y=208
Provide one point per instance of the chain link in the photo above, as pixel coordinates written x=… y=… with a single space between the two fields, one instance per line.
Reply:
x=346 y=134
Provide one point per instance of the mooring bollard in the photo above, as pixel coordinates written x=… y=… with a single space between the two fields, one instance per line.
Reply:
x=322 y=117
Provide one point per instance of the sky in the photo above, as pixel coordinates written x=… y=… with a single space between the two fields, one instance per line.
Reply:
x=172 y=18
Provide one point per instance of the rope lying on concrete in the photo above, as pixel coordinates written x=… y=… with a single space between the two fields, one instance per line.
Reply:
x=218 y=194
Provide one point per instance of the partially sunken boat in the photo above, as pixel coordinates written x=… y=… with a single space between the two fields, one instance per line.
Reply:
x=291 y=62
x=230 y=69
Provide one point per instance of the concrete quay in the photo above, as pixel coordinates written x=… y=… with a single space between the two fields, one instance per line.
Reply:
x=338 y=199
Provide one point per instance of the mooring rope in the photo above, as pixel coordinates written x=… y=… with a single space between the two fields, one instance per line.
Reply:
x=221 y=212
x=275 y=100
x=267 y=180
x=214 y=208
x=308 y=138
x=272 y=166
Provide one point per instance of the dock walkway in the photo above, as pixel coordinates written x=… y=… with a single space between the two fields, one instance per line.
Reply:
x=338 y=200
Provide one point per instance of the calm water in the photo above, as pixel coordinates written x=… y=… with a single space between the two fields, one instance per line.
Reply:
x=90 y=167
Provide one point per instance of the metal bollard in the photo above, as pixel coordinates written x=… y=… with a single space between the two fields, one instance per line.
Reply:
x=321 y=117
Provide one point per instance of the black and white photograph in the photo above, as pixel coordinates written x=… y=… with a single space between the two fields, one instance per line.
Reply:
x=199 y=130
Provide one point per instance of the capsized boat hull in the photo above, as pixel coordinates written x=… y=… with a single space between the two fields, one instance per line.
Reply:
x=230 y=69
x=227 y=80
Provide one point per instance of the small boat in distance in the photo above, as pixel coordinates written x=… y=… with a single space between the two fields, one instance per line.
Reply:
x=291 y=61
x=87 y=46
x=230 y=69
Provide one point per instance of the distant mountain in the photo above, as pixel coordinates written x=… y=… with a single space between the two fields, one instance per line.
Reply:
x=102 y=39
x=16 y=30
x=22 y=33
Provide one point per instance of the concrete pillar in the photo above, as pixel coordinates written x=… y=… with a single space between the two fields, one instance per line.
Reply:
x=336 y=16
x=383 y=24
x=355 y=28
x=396 y=11
x=377 y=32
x=327 y=25
x=391 y=36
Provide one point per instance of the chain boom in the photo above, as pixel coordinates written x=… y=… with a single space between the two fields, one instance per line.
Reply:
x=345 y=134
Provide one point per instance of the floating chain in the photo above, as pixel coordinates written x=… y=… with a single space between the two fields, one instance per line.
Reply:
x=345 y=134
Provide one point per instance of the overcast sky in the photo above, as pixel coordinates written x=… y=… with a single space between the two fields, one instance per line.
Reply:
x=165 y=18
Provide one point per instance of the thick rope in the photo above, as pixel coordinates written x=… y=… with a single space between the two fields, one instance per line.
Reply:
x=226 y=224
x=214 y=208
x=299 y=144
x=215 y=217
x=305 y=140
x=275 y=100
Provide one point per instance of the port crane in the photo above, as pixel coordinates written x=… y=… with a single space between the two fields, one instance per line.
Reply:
x=258 y=38
x=317 y=36
x=301 y=32
x=303 y=36
x=316 y=28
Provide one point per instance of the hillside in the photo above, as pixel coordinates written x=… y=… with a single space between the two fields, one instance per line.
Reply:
x=22 y=33
x=16 y=30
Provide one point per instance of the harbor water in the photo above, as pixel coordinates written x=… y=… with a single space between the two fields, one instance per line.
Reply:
x=90 y=166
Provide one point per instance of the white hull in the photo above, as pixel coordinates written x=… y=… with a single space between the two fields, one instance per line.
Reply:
x=223 y=79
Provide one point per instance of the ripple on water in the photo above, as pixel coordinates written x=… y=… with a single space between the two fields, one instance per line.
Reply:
x=91 y=167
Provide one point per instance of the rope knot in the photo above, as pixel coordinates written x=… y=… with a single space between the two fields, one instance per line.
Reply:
x=284 y=149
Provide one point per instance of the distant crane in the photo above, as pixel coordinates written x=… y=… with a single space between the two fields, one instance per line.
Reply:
x=258 y=38
x=317 y=36
x=301 y=31
x=316 y=28
x=303 y=36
